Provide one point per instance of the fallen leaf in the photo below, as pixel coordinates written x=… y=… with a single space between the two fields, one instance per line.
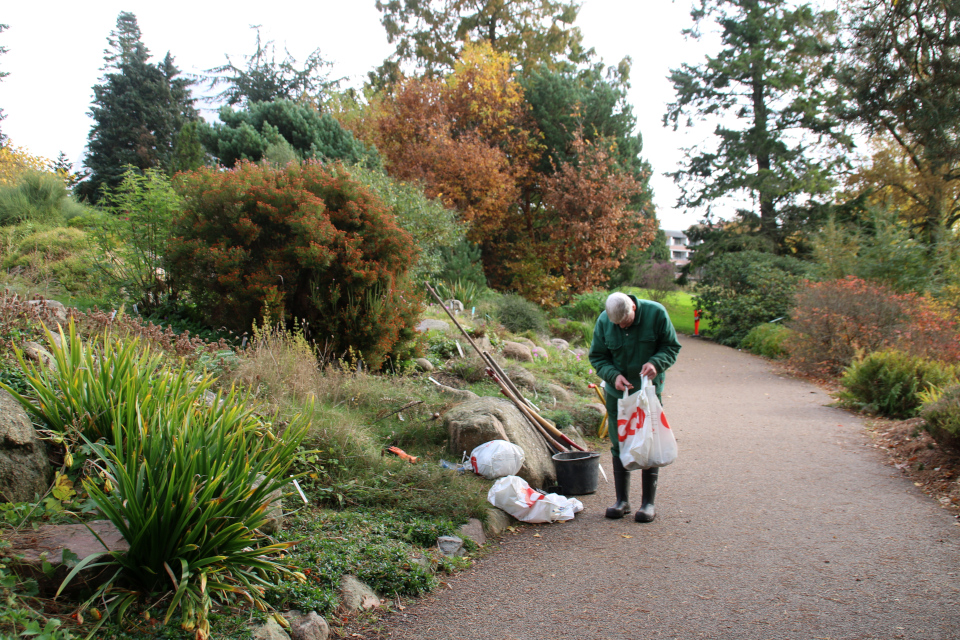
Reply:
x=623 y=535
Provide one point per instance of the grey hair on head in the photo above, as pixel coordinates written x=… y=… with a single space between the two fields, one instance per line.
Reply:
x=618 y=306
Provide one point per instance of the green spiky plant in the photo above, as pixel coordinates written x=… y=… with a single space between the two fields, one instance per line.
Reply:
x=188 y=480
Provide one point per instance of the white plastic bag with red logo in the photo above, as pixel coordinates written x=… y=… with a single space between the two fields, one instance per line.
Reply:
x=646 y=439
x=496 y=458
x=514 y=495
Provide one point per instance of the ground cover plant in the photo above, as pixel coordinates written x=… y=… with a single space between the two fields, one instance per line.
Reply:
x=767 y=340
x=892 y=383
x=941 y=414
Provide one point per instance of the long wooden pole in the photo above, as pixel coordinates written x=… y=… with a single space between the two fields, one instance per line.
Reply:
x=556 y=446
x=522 y=403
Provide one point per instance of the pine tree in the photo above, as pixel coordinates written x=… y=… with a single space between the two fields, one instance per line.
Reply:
x=770 y=91
x=138 y=111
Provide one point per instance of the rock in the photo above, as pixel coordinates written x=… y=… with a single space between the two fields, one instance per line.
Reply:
x=484 y=343
x=423 y=561
x=309 y=627
x=460 y=395
x=451 y=546
x=455 y=306
x=597 y=408
x=423 y=364
x=526 y=341
x=579 y=351
x=497 y=522
x=473 y=530
x=356 y=596
x=539 y=352
x=271 y=630
x=50 y=308
x=517 y=351
x=558 y=392
x=24 y=468
x=29 y=549
x=274 y=513
x=560 y=343
x=474 y=422
x=521 y=377
x=575 y=434
x=37 y=353
x=432 y=325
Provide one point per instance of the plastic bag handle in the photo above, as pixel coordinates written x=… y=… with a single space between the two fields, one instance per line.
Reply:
x=644 y=381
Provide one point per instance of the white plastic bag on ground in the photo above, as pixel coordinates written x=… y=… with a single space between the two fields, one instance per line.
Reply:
x=496 y=459
x=514 y=495
x=646 y=439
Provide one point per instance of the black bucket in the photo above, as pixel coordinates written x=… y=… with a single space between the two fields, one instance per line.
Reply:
x=577 y=472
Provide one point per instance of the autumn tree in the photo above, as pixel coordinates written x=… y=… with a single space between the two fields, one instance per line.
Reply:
x=589 y=200
x=465 y=138
x=902 y=81
x=472 y=141
x=896 y=179
x=138 y=111
x=769 y=91
x=431 y=34
x=590 y=104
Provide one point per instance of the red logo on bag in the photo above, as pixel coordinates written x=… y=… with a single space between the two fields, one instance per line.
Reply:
x=532 y=496
x=473 y=461
x=663 y=420
x=629 y=427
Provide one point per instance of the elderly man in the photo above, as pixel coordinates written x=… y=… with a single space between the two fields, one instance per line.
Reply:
x=633 y=338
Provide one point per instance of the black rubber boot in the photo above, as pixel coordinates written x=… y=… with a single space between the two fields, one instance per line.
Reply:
x=621 y=482
x=647 y=511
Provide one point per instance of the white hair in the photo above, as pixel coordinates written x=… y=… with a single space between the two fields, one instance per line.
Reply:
x=618 y=306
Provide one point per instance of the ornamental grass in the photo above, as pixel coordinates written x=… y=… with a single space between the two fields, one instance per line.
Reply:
x=189 y=476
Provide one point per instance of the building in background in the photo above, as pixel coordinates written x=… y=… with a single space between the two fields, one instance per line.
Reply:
x=680 y=249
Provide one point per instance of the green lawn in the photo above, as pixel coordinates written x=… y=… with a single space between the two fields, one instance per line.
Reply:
x=680 y=307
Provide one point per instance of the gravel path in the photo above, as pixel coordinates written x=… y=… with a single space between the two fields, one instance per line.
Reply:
x=778 y=521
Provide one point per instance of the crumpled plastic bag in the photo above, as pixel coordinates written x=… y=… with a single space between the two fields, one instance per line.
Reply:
x=496 y=459
x=514 y=495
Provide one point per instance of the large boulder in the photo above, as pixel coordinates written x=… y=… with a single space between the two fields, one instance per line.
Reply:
x=24 y=468
x=474 y=422
x=517 y=351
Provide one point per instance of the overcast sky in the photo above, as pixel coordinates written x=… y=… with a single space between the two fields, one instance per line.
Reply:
x=56 y=51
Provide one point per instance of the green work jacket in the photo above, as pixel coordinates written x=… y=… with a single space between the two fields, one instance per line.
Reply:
x=651 y=338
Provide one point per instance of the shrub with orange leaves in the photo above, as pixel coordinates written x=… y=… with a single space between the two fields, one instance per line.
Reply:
x=839 y=320
x=305 y=242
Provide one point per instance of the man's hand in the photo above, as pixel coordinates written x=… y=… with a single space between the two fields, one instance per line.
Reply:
x=648 y=370
x=621 y=383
